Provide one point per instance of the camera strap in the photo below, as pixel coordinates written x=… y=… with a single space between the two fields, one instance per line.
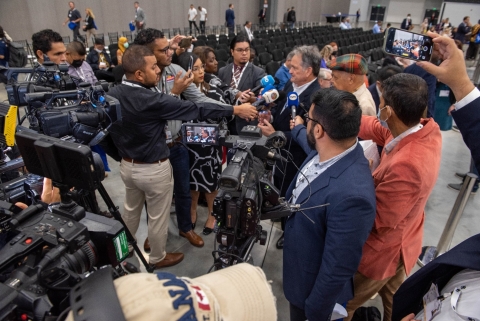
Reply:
x=95 y=298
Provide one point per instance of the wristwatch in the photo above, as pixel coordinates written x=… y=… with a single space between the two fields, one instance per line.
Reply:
x=174 y=95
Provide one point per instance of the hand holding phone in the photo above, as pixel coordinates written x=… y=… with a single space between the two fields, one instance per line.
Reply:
x=409 y=45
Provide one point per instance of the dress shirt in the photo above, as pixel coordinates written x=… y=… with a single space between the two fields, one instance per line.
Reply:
x=249 y=33
x=394 y=142
x=376 y=28
x=474 y=94
x=84 y=72
x=313 y=169
x=299 y=90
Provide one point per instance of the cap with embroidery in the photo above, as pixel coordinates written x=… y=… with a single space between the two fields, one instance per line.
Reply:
x=237 y=293
x=351 y=63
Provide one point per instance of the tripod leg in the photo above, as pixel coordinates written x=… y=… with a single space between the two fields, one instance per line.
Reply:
x=116 y=214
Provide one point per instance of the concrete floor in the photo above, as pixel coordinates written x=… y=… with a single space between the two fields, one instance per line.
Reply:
x=455 y=158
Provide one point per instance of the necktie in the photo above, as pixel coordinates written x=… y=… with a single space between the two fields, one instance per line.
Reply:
x=235 y=78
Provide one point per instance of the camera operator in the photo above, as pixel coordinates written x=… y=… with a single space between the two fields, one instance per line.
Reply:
x=78 y=67
x=335 y=172
x=175 y=81
x=48 y=46
x=141 y=141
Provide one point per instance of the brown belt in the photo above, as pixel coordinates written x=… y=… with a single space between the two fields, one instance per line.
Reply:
x=176 y=140
x=129 y=160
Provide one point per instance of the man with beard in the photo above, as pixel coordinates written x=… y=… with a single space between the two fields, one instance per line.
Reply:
x=323 y=245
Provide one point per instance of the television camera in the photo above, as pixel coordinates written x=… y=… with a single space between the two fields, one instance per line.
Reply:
x=50 y=251
x=246 y=193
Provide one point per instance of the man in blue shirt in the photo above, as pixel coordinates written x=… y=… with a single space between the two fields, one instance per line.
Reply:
x=283 y=74
x=377 y=28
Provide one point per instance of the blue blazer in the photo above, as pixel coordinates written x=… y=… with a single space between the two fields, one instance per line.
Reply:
x=376 y=98
x=230 y=17
x=323 y=246
x=468 y=121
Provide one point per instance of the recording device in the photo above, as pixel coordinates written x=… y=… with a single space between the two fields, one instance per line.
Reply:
x=409 y=45
x=85 y=120
x=292 y=102
x=267 y=83
x=200 y=134
x=246 y=193
x=45 y=77
x=269 y=97
x=190 y=64
x=185 y=43
x=49 y=252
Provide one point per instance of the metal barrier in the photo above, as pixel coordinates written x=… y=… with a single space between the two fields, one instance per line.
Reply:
x=431 y=252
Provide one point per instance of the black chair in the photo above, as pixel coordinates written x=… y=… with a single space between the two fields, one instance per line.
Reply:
x=113 y=37
x=112 y=49
x=281 y=45
x=223 y=40
x=212 y=43
x=212 y=37
x=277 y=55
x=260 y=49
x=271 y=47
x=221 y=64
x=199 y=43
x=66 y=40
x=264 y=58
x=202 y=37
x=221 y=55
x=298 y=42
x=290 y=43
x=257 y=42
x=286 y=51
x=224 y=47
x=272 y=67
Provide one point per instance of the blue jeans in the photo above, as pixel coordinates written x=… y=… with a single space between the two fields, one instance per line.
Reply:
x=181 y=186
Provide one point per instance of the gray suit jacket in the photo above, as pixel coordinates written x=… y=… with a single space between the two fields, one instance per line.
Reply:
x=140 y=15
x=251 y=78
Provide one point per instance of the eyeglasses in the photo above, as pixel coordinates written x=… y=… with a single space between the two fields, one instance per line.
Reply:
x=165 y=50
x=240 y=50
x=195 y=69
x=307 y=119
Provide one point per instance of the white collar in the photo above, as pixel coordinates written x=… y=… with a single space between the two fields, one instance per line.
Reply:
x=300 y=89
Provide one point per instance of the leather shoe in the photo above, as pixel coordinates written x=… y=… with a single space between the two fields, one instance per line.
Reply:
x=280 y=242
x=146 y=246
x=170 y=259
x=193 y=238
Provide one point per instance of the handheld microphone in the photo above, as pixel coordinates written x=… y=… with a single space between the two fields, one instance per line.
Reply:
x=269 y=97
x=292 y=102
x=264 y=82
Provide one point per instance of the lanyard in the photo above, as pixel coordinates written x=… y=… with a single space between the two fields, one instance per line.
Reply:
x=239 y=77
x=79 y=70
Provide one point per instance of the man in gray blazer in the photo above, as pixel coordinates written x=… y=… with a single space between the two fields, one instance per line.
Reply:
x=139 y=17
x=285 y=19
x=241 y=74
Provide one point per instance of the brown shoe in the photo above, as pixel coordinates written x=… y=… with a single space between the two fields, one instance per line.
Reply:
x=146 y=246
x=193 y=238
x=170 y=259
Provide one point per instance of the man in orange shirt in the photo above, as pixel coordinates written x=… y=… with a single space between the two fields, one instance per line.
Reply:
x=403 y=181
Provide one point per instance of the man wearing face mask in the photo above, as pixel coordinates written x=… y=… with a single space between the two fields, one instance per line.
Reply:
x=100 y=61
x=403 y=181
x=78 y=68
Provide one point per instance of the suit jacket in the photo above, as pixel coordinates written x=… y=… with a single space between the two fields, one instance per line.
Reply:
x=403 y=181
x=376 y=98
x=406 y=24
x=431 y=83
x=250 y=79
x=468 y=121
x=230 y=17
x=408 y=297
x=462 y=30
x=281 y=121
x=261 y=15
x=323 y=246
x=140 y=15
x=93 y=59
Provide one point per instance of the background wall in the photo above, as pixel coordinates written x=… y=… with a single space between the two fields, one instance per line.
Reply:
x=397 y=10
x=456 y=11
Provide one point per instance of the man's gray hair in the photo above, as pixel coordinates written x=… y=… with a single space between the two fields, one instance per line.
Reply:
x=290 y=55
x=310 y=57
x=323 y=73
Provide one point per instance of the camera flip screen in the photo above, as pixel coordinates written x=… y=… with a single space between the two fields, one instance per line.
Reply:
x=200 y=134
x=408 y=45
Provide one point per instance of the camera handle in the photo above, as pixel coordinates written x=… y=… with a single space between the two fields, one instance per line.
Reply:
x=116 y=214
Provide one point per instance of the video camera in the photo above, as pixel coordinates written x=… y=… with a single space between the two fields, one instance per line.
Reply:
x=246 y=193
x=46 y=77
x=85 y=120
x=49 y=252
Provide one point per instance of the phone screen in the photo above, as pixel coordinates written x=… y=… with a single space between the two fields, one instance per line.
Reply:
x=408 y=45
x=200 y=134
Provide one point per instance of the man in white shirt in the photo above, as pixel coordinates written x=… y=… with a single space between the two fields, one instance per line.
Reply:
x=192 y=17
x=248 y=30
x=203 y=18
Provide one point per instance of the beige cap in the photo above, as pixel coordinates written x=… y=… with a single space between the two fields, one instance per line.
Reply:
x=238 y=293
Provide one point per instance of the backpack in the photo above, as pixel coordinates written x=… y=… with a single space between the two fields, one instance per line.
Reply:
x=477 y=38
x=367 y=314
x=18 y=55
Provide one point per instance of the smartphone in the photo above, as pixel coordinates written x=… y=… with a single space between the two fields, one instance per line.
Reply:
x=409 y=45
x=185 y=43
x=190 y=63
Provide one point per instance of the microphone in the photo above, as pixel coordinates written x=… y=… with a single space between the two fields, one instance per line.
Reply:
x=266 y=81
x=269 y=97
x=292 y=102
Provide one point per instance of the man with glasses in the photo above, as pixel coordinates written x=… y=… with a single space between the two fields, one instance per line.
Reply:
x=241 y=74
x=323 y=244
x=175 y=81
x=325 y=78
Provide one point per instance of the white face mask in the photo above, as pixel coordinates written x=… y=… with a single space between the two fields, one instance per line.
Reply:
x=98 y=50
x=382 y=122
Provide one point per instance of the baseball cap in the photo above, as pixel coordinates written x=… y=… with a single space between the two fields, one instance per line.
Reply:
x=237 y=293
x=351 y=63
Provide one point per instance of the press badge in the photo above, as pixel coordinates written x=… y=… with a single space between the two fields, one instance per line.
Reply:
x=168 y=135
x=431 y=304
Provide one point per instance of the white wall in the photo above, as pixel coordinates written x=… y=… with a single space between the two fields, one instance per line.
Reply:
x=398 y=10
x=363 y=5
x=456 y=11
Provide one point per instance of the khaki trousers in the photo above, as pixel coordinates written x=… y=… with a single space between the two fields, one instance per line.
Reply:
x=90 y=32
x=365 y=288
x=152 y=183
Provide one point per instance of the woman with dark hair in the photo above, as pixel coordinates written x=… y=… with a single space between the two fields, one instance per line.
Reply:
x=4 y=50
x=205 y=161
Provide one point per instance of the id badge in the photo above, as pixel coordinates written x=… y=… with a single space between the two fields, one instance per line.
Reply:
x=431 y=304
x=169 y=136
x=70 y=15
